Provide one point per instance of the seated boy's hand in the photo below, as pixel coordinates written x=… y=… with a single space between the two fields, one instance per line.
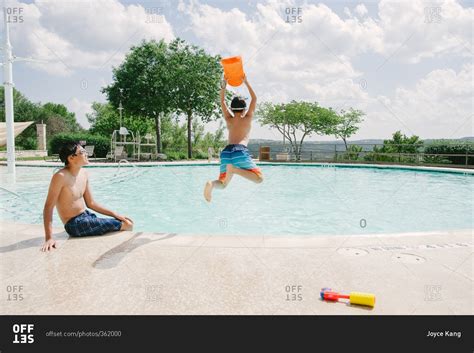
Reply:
x=48 y=245
x=123 y=219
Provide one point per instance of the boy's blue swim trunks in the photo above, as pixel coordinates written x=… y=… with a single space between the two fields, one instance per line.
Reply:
x=237 y=155
x=87 y=223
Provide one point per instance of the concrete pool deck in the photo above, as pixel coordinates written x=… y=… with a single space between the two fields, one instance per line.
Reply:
x=157 y=273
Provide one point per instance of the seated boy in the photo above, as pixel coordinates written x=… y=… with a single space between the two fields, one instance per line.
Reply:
x=235 y=158
x=69 y=191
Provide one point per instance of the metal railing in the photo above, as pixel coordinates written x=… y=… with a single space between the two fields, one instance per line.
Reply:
x=331 y=152
x=408 y=154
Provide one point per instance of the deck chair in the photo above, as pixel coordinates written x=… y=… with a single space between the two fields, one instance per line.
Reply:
x=118 y=153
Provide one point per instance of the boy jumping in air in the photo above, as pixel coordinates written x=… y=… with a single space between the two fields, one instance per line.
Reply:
x=235 y=158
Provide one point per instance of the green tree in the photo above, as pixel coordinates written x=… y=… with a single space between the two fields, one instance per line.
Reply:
x=400 y=143
x=56 y=117
x=347 y=124
x=104 y=119
x=297 y=120
x=142 y=83
x=215 y=140
x=393 y=148
x=23 y=110
x=174 y=136
x=195 y=84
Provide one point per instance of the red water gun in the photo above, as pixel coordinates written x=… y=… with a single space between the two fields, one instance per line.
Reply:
x=359 y=298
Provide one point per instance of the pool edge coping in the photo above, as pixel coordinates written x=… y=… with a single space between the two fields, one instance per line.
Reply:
x=290 y=237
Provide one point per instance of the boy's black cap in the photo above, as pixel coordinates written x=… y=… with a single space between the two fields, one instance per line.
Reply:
x=237 y=104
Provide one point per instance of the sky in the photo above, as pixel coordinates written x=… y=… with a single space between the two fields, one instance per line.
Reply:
x=406 y=64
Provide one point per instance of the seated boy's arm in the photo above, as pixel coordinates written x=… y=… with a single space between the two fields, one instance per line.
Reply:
x=90 y=203
x=55 y=187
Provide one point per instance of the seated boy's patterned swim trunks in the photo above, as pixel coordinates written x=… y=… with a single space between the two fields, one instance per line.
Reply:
x=87 y=223
x=237 y=155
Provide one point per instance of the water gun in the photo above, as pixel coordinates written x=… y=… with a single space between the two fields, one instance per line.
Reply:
x=359 y=298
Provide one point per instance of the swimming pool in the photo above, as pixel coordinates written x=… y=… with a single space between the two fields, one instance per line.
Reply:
x=300 y=200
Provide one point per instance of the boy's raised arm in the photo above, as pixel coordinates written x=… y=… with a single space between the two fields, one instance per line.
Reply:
x=225 y=111
x=253 y=102
x=53 y=193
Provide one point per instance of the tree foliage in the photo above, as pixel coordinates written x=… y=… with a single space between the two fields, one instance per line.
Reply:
x=195 y=84
x=157 y=79
x=400 y=143
x=104 y=119
x=347 y=124
x=297 y=120
x=142 y=83
x=56 y=117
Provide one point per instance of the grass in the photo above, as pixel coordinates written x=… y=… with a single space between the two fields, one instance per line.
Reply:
x=25 y=159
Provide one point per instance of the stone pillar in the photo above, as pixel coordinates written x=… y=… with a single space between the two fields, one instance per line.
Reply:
x=41 y=136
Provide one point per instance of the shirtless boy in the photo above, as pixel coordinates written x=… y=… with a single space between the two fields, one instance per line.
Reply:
x=235 y=158
x=69 y=191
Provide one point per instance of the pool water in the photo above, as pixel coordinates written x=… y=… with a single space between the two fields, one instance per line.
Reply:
x=292 y=199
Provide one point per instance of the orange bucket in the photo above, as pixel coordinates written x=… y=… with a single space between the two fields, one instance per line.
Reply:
x=233 y=70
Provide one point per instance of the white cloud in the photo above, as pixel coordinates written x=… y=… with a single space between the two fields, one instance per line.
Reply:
x=439 y=105
x=83 y=34
x=417 y=29
x=361 y=10
x=288 y=60
x=312 y=60
x=347 y=12
x=80 y=108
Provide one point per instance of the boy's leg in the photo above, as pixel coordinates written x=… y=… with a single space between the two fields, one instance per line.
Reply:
x=248 y=174
x=218 y=184
x=245 y=166
x=88 y=224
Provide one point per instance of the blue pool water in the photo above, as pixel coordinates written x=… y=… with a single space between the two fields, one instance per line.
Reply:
x=291 y=200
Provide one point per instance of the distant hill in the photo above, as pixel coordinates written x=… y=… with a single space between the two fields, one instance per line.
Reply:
x=368 y=144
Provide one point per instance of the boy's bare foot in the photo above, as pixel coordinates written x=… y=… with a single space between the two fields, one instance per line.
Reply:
x=208 y=191
x=127 y=224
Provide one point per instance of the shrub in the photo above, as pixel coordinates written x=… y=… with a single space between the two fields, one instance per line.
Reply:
x=375 y=155
x=447 y=147
x=435 y=160
x=26 y=143
x=102 y=144
x=199 y=154
x=175 y=155
x=352 y=153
